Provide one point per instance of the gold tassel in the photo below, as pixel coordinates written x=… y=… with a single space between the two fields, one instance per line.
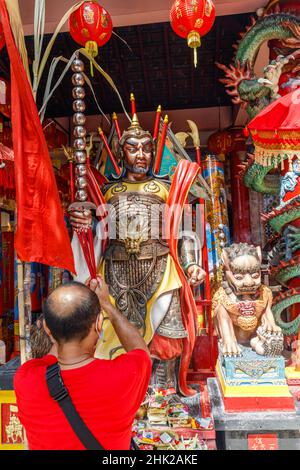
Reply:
x=92 y=49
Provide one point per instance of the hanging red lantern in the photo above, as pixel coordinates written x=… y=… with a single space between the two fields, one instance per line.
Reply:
x=192 y=19
x=220 y=143
x=91 y=26
x=2 y=38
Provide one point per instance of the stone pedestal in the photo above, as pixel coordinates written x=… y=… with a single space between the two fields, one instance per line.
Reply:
x=259 y=430
x=251 y=382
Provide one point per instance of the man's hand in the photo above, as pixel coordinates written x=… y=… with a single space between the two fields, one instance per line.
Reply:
x=79 y=219
x=196 y=275
x=100 y=287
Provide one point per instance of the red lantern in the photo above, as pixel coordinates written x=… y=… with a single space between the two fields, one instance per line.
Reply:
x=2 y=38
x=191 y=19
x=91 y=26
x=220 y=143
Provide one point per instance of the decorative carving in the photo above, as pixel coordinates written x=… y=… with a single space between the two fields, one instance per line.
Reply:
x=255 y=369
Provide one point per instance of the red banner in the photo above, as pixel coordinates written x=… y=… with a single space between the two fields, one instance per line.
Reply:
x=41 y=232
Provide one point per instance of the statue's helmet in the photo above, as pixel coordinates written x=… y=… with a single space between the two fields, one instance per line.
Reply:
x=135 y=130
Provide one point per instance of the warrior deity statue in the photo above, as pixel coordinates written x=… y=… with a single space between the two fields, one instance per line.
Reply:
x=242 y=306
x=143 y=278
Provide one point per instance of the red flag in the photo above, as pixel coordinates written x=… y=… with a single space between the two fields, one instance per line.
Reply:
x=41 y=232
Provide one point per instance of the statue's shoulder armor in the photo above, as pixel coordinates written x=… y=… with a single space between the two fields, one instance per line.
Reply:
x=151 y=186
x=165 y=183
x=108 y=186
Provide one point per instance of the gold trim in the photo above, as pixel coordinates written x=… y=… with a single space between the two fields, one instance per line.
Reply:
x=275 y=157
x=277 y=145
x=282 y=134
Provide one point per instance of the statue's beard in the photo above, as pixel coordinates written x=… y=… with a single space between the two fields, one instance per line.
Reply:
x=136 y=169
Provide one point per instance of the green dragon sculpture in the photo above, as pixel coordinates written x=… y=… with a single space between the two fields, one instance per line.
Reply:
x=254 y=94
x=245 y=88
x=281 y=303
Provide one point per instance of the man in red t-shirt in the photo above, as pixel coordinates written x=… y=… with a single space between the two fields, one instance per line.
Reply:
x=106 y=394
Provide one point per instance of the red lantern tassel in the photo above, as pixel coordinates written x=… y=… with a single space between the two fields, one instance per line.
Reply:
x=112 y=158
x=115 y=118
x=161 y=145
x=133 y=107
x=157 y=121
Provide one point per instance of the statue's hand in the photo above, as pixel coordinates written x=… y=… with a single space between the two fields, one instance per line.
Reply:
x=196 y=275
x=80 y=219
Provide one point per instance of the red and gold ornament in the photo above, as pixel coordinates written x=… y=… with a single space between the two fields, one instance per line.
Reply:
x=91 y=26
x=220 y=143
x=192 y=19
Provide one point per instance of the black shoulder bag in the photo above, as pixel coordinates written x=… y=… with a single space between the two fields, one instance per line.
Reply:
x=60 y=394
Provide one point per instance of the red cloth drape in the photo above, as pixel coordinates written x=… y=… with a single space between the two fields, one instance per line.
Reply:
x=184 y=176
x=41 y=232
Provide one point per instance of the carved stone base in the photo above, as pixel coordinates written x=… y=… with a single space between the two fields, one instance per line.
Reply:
x=253 y=382
x=252 y=369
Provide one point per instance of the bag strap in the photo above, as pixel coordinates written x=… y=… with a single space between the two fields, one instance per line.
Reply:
x=60 y=394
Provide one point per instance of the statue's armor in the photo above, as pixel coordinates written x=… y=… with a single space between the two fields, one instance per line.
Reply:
x=136 y=258
x=171 y=325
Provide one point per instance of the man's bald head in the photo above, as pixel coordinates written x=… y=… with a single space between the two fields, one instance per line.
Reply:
x=70 y=310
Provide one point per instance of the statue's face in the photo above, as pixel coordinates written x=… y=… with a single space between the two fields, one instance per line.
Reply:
x=245 y=275
x=138 y=154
